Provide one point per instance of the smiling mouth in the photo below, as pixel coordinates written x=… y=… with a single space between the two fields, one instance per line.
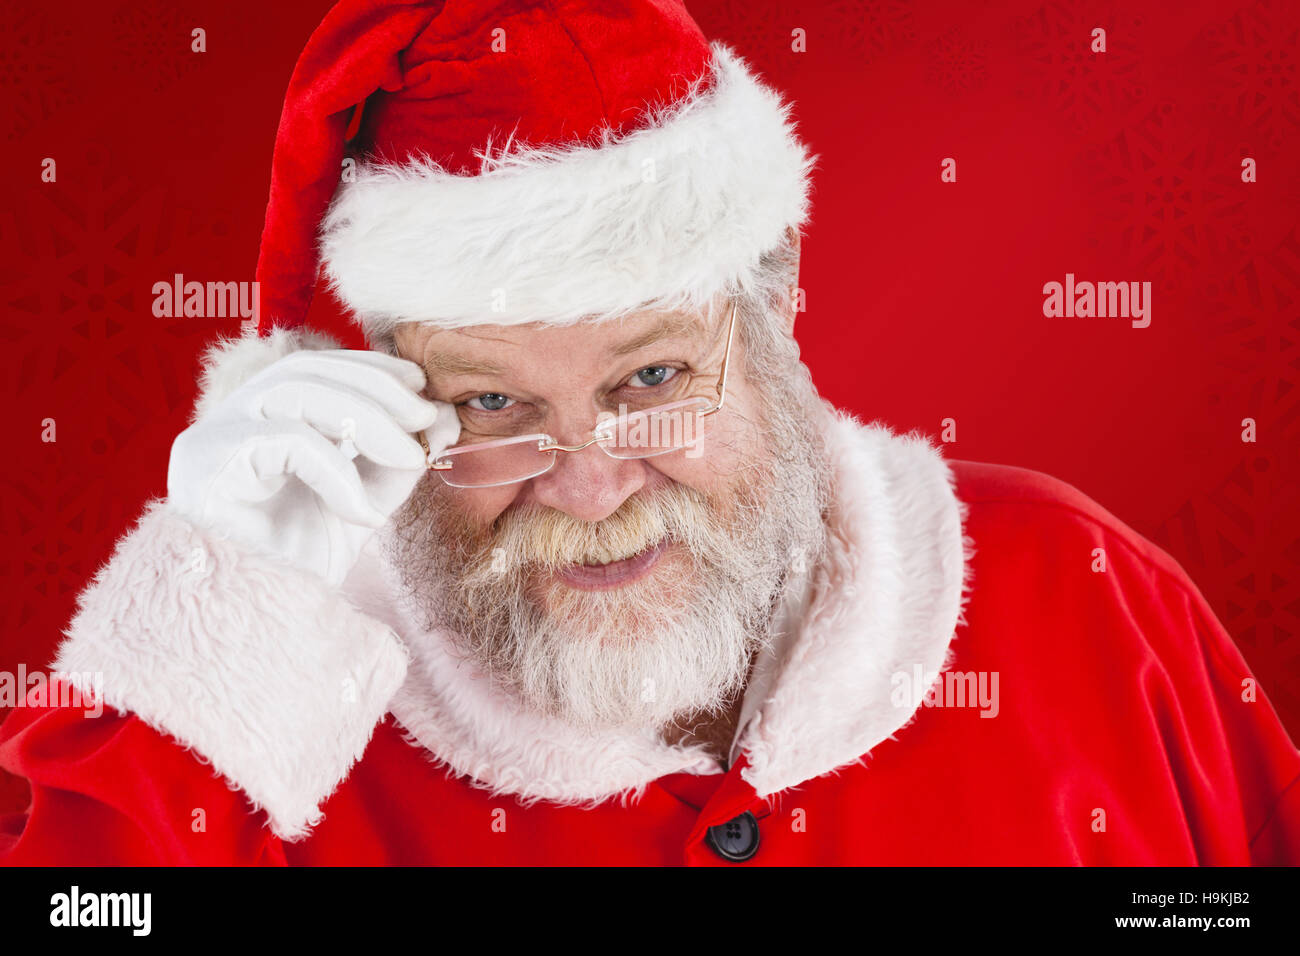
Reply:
x=612 y=574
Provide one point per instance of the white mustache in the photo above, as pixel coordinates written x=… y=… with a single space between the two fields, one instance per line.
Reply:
x=547 y=539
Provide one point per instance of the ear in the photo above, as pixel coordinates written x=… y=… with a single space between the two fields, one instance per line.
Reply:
x=792 y=279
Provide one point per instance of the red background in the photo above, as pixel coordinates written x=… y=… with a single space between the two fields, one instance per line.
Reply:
x=924 y=298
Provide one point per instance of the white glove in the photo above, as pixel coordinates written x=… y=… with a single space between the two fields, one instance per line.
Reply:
x=310 y=456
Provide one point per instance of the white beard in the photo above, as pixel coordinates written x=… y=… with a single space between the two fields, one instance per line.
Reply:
x=676 y=643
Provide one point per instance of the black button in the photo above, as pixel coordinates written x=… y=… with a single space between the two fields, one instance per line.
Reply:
x=736 y=840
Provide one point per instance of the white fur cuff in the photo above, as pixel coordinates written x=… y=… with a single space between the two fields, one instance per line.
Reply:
x=230 y=362
x=262 y=669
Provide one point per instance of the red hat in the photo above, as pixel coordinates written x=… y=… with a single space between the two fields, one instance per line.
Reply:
x=544 y=161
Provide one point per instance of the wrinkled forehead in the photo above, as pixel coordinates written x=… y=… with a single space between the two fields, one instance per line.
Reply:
x=489 y=349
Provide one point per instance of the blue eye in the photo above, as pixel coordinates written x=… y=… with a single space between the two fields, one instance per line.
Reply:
x=652 y=375
x=490 y=402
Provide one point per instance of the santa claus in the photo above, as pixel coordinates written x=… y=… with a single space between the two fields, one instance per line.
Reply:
x=574 y=564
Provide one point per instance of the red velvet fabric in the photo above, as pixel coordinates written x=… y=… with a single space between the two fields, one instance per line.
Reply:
x=442 y=86
x=1119 y=692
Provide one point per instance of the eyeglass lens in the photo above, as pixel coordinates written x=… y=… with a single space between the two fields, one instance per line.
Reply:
x=638 y=435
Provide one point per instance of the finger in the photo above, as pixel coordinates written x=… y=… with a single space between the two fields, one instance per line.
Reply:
x=444 y=432
x=407 y=372
x=340 y=414
x=387 y=488
x=361 y=372
x=308 y=455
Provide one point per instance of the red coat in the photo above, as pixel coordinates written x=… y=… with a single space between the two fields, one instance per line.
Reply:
x=261 y=719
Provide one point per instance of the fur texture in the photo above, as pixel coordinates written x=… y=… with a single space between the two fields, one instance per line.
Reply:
x=279 y=681
x=230 y=362
x=889 y=596
x=662 y=218
x=261 y=669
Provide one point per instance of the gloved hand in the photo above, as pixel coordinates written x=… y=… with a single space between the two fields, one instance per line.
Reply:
x=310 y=456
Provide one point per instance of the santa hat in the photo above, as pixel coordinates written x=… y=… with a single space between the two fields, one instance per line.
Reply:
x=469 y=162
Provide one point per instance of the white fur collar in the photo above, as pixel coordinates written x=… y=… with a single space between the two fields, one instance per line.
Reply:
x=166 y=625
x=886 y=599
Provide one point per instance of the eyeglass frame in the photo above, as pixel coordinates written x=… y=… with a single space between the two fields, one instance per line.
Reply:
x=602 y=432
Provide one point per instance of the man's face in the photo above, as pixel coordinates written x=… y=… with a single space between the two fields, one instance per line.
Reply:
x=607 y=591
x=520 y=380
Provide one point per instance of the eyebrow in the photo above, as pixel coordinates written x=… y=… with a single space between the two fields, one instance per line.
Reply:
x=670 y=326
x=455 y=365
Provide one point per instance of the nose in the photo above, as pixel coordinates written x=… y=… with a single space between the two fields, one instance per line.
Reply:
x=589 y=485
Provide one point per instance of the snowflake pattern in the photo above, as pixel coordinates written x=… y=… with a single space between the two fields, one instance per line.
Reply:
x=1053 y=51
x=87 y=355
x=33 y=79
x=1168 y=190
x=83 y=348
x=1256 y=332
x=956 y=63
x=1226 y=538
x=154 y=42
x=870 y=29
x=753 y=30
x=1250 y=578
x=1252 y=60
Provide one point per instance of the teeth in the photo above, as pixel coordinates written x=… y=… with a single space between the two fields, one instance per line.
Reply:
x=604 y=555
